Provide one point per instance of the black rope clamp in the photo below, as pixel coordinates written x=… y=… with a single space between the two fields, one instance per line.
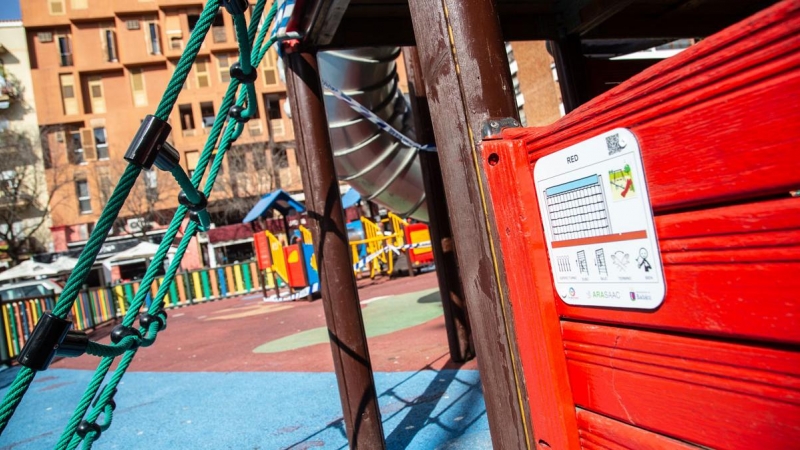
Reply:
x=85 y=427
x=120 y=332
x=196 y=207
x=111 y=401
x=235 y=112
x=234 y=7
x=245 y=78
x=149 y=144
x=147 y=319
x=50 y=338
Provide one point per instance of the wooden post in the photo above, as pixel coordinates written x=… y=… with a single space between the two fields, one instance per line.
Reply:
x=465 y=68
x=572 y=71
x=339 y=293
x=456 y=318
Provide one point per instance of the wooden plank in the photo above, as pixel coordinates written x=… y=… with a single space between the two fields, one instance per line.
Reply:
x=749 y=395
x=349 y=348
x=613 y=434
x=464 y=64
x=538 y=333
x=459 y=334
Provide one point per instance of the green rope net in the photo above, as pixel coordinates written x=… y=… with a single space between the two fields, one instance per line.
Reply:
x=86 y=429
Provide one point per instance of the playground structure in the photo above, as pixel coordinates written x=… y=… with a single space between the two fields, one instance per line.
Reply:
x=710 y=360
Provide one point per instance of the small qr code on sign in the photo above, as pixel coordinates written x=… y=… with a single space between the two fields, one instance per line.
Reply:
x=613 y=143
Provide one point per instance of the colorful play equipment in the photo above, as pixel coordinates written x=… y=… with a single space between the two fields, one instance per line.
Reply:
x=293 y=265
x=383 y=243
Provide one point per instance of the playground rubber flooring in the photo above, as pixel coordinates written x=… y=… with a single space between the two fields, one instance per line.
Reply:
x=244 y=374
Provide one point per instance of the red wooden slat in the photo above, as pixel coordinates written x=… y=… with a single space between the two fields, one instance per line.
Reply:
x=730 y=271
x=535 y=318
x=718 y=121
x=613 y=432
x=718 y=394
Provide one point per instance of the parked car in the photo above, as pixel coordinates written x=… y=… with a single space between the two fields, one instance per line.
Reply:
x=26 y=289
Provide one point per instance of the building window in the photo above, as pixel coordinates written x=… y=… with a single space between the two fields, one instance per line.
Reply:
x=224 y=65
x=174 y=32
x=101 y=142
x=201 y=73
x=137 y=87
x=56 y=7
x=68 y=97
x=110 y=45
x=79 y=4
x=96 y=95
x=192 y=19
x=151 y=185
x=45 y=36
x=207 y=113
x=84 y=200
x=218 y=29
x=192 y=157
x=270 y=75
x=104 y=184
x=65 y=50
x=272 y=103
x=279 y=157
x=153 y=41
x=187 y=119
x=87 y=143
x=75 y=147
x=132 y=24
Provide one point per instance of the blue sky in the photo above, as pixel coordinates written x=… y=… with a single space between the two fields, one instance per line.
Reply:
x=9 y=10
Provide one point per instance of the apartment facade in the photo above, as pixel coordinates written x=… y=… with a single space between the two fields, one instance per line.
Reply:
x=98 y=67
x=24 y=218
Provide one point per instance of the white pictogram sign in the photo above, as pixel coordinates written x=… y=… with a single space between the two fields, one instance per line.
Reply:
x=598 y=223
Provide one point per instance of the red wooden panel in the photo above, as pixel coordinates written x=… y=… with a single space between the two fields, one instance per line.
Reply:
x=295 y=266
x=538 y=332
x=716 y=123
x=730 y=271
x=597 y=431
x=718 y=394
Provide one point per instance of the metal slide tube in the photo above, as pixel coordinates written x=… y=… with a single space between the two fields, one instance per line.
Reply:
x=374 y=163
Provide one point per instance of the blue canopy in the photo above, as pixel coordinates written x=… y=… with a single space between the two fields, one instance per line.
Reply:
x=279 y=200
x=350 y=198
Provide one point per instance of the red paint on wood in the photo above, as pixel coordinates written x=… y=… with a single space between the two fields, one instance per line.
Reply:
x=535 y=318
x=602 y=432
x=717 y=126
x=718 y=394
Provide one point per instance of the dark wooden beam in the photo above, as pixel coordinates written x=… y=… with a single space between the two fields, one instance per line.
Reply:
x=597 y=12
x=351 y=359
x=322 y=20
x=456 y=317
x=573 y=78
x=465 y=68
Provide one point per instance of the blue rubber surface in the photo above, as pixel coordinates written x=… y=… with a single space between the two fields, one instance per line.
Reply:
x=254 y=410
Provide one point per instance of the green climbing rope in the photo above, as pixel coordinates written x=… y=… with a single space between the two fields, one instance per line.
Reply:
x=128 y=346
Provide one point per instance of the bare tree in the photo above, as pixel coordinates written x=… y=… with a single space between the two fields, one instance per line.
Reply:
x=25 y=194
x=149 y=206
x=254 y=169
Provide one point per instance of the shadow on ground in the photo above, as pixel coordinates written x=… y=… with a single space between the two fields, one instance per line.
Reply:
x=411 y=422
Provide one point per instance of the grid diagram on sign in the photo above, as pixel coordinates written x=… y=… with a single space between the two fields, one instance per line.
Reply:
x=578 y=209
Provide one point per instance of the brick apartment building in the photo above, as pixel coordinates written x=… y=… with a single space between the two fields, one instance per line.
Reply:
x=99 y=67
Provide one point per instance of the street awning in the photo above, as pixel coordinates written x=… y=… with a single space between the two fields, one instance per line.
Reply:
x=279 y=200
x=29 y=269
